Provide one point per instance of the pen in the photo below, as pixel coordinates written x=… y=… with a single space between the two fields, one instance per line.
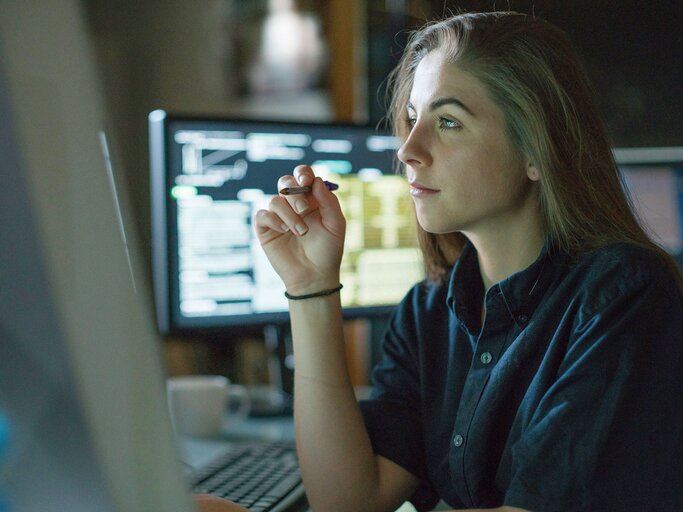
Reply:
x=288 y=191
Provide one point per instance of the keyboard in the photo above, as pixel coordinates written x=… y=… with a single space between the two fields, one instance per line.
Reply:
x=262 y=476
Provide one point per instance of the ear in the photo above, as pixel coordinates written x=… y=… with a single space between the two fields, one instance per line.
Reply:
x=532 y=172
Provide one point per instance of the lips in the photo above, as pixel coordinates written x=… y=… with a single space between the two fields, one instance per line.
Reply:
x=418 y=189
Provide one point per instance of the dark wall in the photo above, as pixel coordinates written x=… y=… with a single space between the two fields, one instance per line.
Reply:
x=633 y=52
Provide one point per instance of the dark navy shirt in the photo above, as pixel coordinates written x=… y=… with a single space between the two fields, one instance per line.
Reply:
x=569 y=397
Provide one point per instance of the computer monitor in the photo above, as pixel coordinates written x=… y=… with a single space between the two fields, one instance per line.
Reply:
x=81 y=376
x=209 y=176
x=653 y=178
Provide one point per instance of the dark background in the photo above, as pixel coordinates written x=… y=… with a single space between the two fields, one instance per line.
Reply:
x=632 y=50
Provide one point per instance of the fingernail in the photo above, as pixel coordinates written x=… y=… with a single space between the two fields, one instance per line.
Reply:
x=301 y=205
x=301 y=228
x=284 y=228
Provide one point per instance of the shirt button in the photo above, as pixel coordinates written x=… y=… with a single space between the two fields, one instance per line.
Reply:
x=458 y=440
x=523 y=319
x=486 y=357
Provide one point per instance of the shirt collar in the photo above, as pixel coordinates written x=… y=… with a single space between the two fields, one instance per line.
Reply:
x=521 y=291
x=465 y=288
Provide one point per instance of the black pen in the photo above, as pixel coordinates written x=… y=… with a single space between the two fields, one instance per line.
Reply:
x=289 y=191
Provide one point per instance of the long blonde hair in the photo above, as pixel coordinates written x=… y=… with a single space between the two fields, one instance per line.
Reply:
x=535 y=77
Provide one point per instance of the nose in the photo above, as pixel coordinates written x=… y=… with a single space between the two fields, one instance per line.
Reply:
x=415 y=152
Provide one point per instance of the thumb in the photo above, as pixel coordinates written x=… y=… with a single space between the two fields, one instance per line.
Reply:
x=328 y=206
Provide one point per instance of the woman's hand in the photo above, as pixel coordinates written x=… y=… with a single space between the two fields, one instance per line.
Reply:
x=208 y=503
x=303 y=234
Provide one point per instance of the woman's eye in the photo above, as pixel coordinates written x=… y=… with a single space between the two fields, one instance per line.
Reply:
x=410 y=122
x=448 y=124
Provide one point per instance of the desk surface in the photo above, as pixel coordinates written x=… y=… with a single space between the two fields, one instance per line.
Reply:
x=196 y=451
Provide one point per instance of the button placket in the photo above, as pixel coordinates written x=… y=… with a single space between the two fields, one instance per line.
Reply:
x=487 y=346
x=474 y=386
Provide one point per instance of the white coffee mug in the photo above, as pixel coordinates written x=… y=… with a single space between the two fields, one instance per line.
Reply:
x=199 y=404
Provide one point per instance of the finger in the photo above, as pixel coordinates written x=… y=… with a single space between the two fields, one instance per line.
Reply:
x=265 y=221
x=282 y=208
x=324 y=197
x=300 y=203
x=329 y=207
x=208 y=503
x=287 y=181
x=304 y=175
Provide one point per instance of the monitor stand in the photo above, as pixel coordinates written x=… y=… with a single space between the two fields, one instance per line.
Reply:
x=277 y=398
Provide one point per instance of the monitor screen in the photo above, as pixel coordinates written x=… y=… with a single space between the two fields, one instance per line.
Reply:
x=209 y=176
x=653 y=178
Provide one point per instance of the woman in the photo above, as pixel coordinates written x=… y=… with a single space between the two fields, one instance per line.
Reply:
x=539 y=365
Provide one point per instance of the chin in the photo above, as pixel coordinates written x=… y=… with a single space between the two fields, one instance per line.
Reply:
x=438 y=229
x=437 y=226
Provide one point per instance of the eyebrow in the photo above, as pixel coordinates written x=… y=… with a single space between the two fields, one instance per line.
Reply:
x=446 y=100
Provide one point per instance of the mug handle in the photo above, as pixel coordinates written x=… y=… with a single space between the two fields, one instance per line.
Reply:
x=240 y=394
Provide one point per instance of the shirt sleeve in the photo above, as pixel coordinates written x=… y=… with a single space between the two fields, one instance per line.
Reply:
x=392 y=414
x=606 y=433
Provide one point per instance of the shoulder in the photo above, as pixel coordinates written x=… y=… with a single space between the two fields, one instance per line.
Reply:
x=624 y=262
x=620 y=271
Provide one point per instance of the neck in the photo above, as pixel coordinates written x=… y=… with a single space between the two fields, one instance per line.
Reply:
x=508 y=249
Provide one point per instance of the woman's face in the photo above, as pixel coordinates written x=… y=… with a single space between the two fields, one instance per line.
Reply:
x=463 y=172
